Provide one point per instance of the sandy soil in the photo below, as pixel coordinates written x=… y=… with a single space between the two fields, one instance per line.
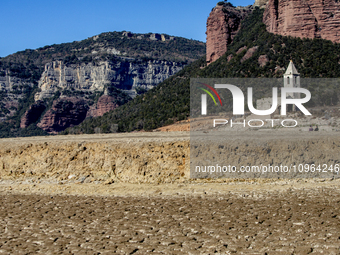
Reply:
x=183 y=125
x=117 y=138
x=189 y=188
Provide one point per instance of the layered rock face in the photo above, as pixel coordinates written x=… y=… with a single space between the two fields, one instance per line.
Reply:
x=304 y=19
x=222 y=25
x=10 y=83
x=32 y=114
x=89 y=77
x=105 y=104
x=131 y=158
x=65 y=112
x=83 y=79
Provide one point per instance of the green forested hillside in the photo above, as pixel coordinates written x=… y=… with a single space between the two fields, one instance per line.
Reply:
x=103 y=47
x=169 y=101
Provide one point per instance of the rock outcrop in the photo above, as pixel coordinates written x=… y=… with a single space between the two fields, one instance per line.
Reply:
x=89 y=77
x=304 y=19
x=65 y=112
x=130 y=62
x=263 y=60
x=32 y=114
x=222 y=25
x=10 y=83
x=249 y=53
x=260 y=3
x=105 y=104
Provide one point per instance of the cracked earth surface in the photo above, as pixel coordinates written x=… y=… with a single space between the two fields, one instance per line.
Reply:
x=302 y=221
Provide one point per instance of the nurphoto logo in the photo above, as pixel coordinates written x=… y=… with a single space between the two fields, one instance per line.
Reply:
x=239 y=104
x=238 y=100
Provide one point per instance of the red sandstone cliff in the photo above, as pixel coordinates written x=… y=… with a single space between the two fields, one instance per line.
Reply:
x=222 y=25
x=65 y=112
x=304 y=19
x=32 y=114
x=105 y=104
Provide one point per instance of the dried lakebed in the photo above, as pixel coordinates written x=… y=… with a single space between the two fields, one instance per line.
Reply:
x=287 y=221
x=57 y=198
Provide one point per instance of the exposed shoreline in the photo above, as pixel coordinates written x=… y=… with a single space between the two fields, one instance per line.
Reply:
x=197 y=188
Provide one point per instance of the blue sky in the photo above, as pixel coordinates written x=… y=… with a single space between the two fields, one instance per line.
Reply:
x=36 y=23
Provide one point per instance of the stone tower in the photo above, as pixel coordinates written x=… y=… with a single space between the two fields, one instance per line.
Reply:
x=291 y=79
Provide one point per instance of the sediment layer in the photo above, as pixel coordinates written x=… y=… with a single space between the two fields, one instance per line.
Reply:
x=129 y=158
x=158 y=157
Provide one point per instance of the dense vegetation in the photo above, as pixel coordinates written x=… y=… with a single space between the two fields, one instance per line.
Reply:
x=169 y=101
x=111 y=44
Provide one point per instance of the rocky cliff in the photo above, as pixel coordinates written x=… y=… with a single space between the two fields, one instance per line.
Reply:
x=10 y=83
x=65 y=112
x=125 y=74
x=88 y=81
x=222 y=25
x=105 y=104
x=32 y=114
x=304 y=19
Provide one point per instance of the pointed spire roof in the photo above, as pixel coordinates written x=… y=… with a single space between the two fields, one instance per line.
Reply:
x=291 y=69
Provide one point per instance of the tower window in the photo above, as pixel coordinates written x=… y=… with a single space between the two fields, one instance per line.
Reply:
x=288 y=80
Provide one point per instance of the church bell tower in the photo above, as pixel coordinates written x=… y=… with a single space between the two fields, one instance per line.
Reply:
x=291 y=79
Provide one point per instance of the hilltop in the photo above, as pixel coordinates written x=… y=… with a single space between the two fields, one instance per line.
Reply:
x=125 y=44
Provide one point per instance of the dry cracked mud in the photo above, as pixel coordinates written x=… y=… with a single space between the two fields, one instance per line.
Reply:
x=247 y=221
